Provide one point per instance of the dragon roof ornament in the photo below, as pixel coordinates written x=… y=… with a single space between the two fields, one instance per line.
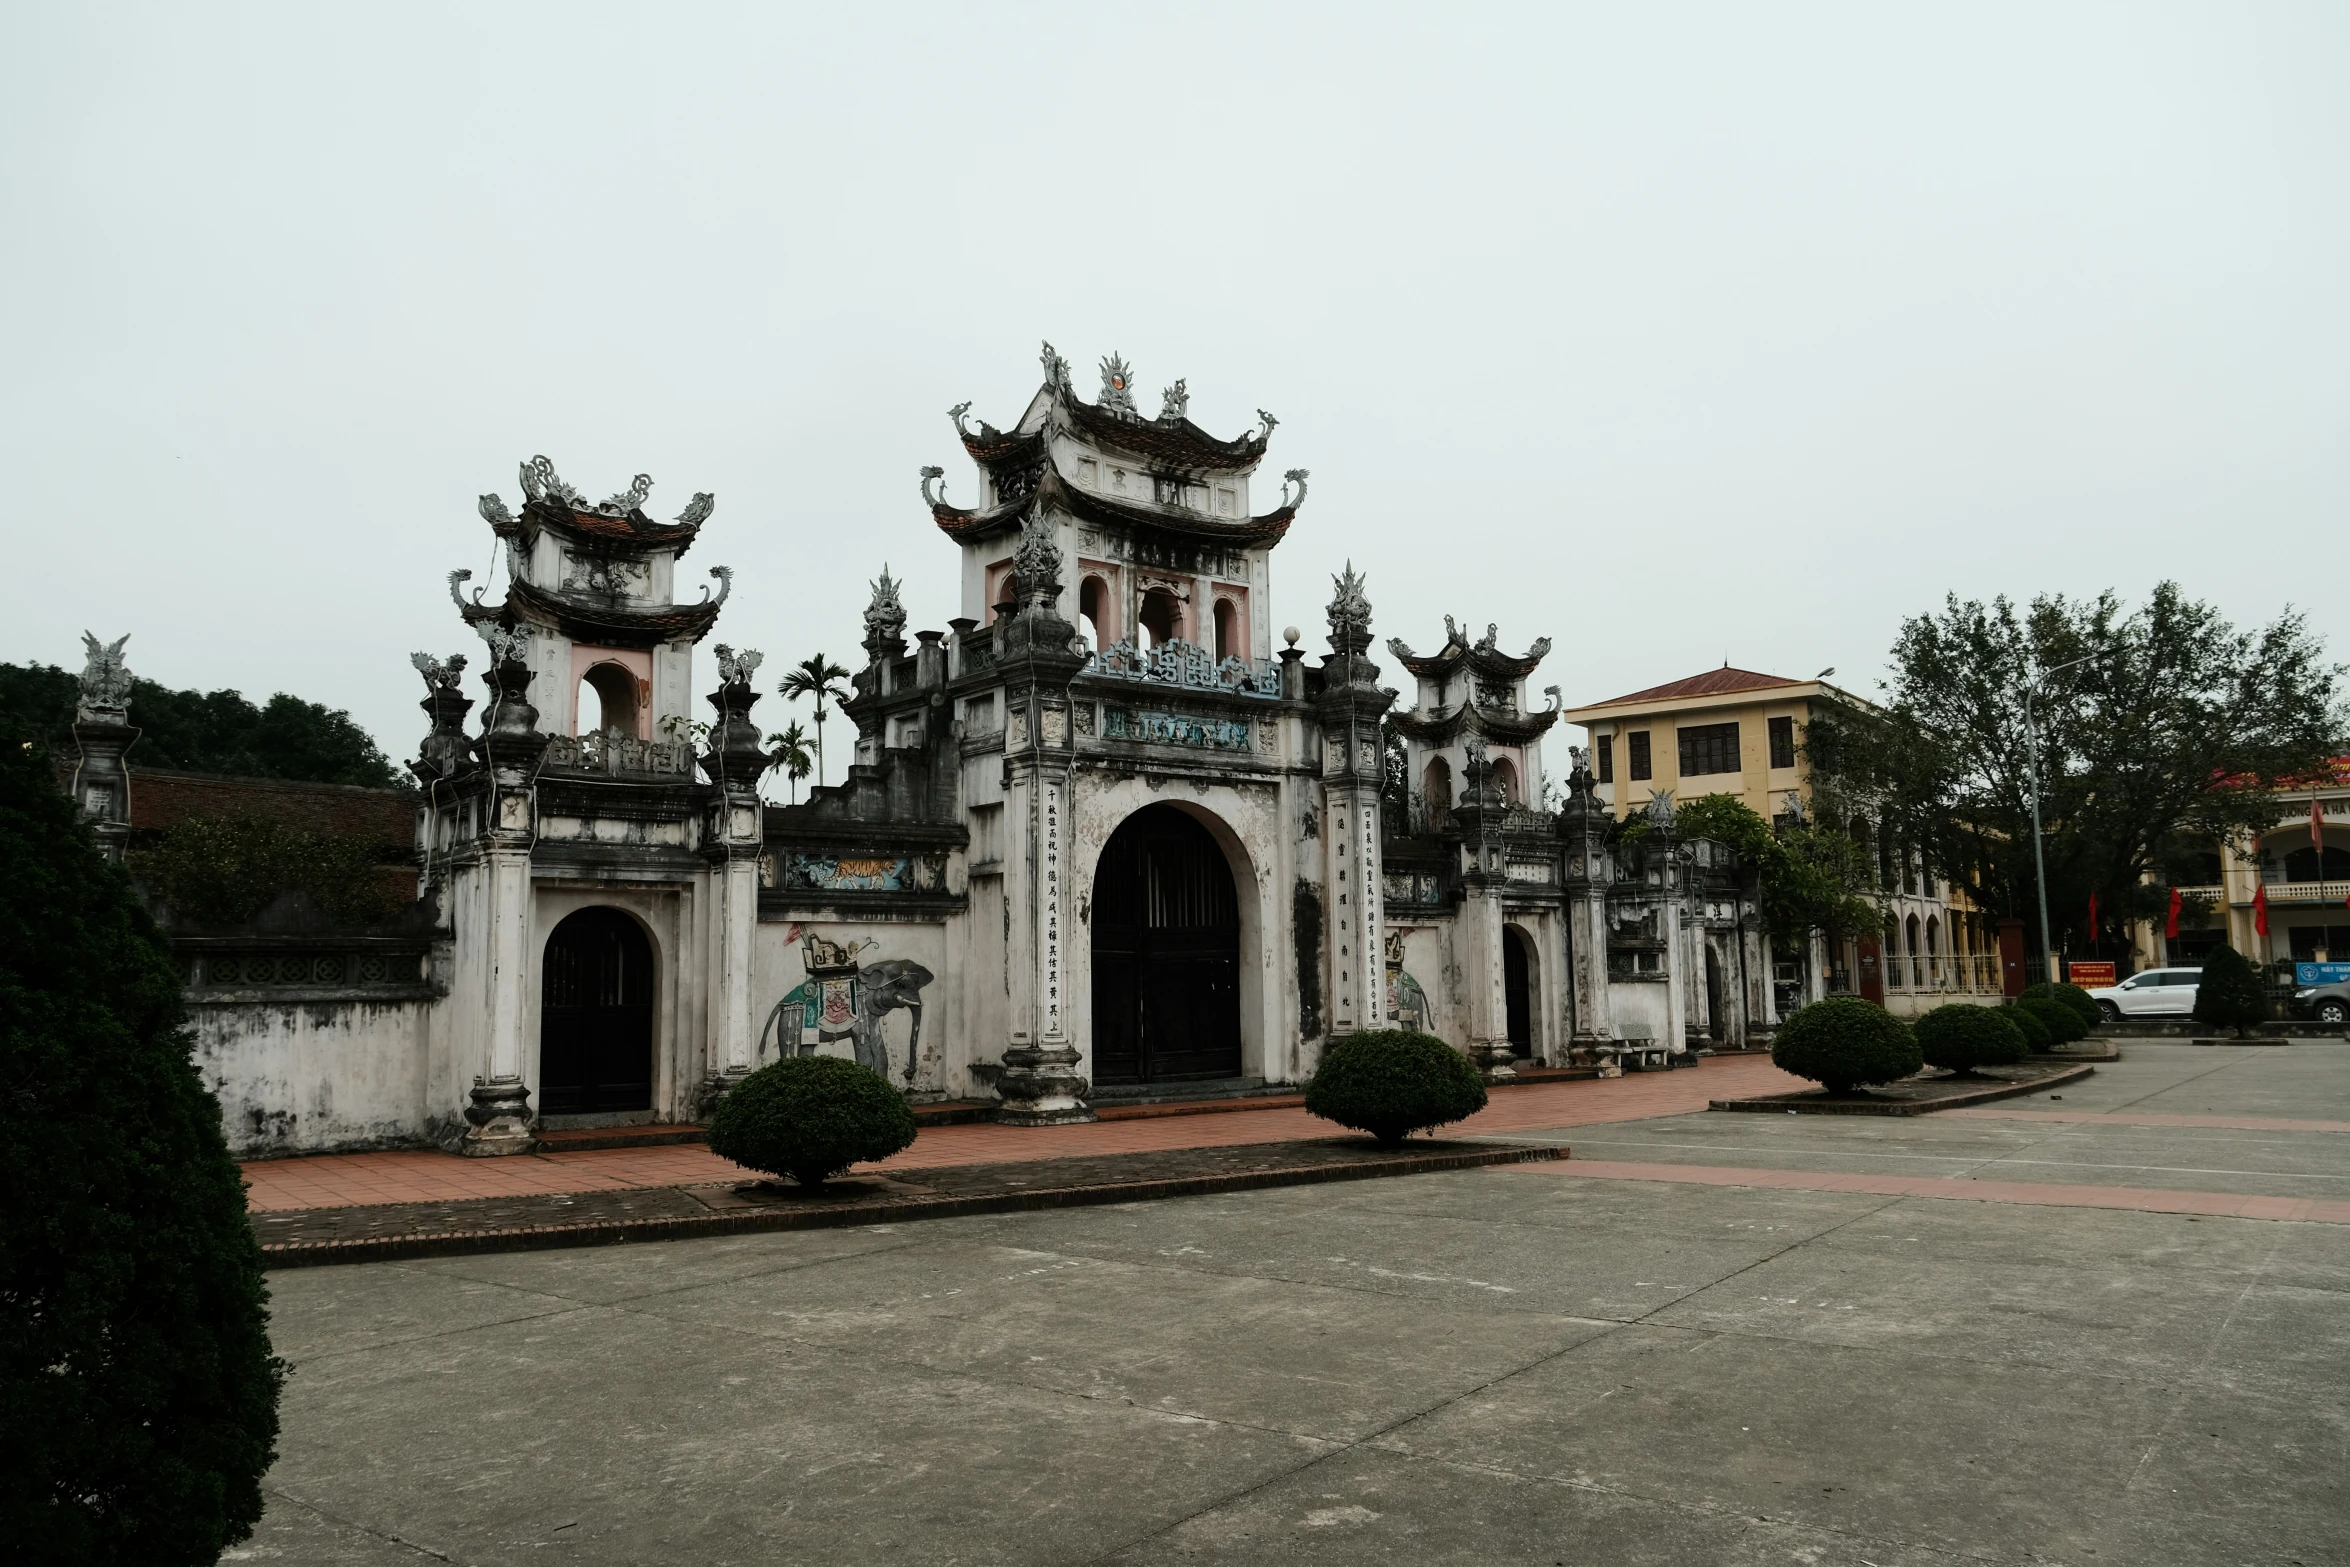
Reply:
x=1056 y=369
x=1296 y=476
x=697 y=511
x=932 y=474
x=440 y=674
x=1175 y=401
x=631 y=499
x=540 y=482
x=738 y=669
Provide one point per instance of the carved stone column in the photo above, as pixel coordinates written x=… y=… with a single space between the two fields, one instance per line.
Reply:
x=1478 y=938
x=102 y=735
x=1590 y=870
x=1348 y=712
x=1041 y=1084
x=733 y=835
x=499 y=1117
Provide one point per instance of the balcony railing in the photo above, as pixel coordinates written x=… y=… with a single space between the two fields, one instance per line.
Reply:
x=2282 y=891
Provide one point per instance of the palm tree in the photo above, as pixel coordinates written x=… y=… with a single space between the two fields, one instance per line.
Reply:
x=820 y=678
x=787 y=753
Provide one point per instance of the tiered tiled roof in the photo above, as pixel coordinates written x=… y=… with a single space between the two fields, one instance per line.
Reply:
x=1142 y=516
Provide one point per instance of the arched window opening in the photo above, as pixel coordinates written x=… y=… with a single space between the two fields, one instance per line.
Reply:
x=2303 y=864
x=1914 y=949
x=1933 y=937
x=618 y=710
x=1436 y=787
x=1228 y=631
x=1505 y=781
x=1007 y=596
x=1162 y=617
x=1090 y=594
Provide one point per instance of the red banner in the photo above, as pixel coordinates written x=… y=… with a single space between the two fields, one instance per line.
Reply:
x=2089 y=976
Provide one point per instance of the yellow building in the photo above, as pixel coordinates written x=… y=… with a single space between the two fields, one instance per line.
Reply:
x=1727 y=731
x=1734 y=731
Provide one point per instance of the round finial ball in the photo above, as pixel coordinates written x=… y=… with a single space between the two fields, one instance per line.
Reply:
x=1289 y=635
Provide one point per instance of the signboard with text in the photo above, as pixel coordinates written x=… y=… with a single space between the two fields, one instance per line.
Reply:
x=2090 y=976
x=2320 y=973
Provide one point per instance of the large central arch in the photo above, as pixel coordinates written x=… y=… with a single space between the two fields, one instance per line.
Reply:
x=596 y=1016
x=1166 y=924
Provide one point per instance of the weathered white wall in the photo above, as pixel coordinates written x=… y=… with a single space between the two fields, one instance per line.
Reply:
x=315 y=1076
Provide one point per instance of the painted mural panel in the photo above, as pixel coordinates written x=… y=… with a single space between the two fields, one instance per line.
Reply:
x=856 y=873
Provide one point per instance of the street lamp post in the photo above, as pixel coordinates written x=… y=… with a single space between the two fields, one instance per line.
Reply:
x=2032 y=774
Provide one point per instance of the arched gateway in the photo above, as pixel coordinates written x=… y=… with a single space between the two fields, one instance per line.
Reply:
x=596 y=1017
x=1166 y=953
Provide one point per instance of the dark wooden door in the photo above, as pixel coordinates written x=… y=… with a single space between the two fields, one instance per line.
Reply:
x=1517 y=1000
x=1166 y=953
x=596 y=1017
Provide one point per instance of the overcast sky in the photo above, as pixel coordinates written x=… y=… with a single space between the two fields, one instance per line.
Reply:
x=1675 y=334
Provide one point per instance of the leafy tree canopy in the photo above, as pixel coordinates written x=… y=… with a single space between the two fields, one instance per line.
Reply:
x=1813 y=876
x=204 y=732
x=2162 y=741
x=138 y=1394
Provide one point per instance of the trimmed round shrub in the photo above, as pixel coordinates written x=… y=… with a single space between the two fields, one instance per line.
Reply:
x=138 y=1392
x=1392 y=1082
x=1842 y=1042
x=811 y=1117
x=2083 y=1005
x=1959 y=1037
x=2027 y=1022
x=2063 y=1024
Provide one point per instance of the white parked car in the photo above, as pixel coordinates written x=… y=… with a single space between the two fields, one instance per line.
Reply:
x=2159 y=992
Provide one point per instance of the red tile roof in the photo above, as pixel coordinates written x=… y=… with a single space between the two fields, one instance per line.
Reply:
x=1714 y=682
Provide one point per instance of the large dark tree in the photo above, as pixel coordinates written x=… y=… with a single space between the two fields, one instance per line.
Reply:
x=2160 y=741
x=138 y=1394
x=204 y=731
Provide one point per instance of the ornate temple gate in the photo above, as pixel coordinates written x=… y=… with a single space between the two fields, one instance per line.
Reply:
x=596 y=1017
x=1166 y=953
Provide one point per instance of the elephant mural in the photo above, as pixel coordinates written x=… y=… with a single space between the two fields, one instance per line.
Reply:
x=843 y=999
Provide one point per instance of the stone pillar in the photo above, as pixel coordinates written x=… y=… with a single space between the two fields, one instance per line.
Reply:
x=103 y=735
x=1590 y=870
x=1041 y=1084
x=733 y=836
x=499 y=1117
x=1348 y=712
x=1478 y=938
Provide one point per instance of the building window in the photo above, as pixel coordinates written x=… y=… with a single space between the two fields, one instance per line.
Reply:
x=1709 y=748
x=1607 y=758
x=1782 y=742
x=1639 y=757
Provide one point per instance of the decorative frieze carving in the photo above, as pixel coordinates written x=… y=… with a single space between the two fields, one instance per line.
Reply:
x=864 y=873
x=1176 y=662
x=1145 y=728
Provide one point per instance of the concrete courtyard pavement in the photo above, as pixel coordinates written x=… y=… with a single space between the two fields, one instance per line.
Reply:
x=1515 y=1365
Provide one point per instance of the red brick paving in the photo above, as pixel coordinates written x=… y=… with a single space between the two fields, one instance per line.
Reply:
x=2232 y=1123
x=2138 y=1198
x=342 y=1180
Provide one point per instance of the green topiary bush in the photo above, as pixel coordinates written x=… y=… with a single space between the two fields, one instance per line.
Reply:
x=1960 y=1038
x=1842 y=1042
x=2027 y=1023
x=1393 y=1082
x=2082 y=1004
x=2064 y=1025
x=2229 y=995
x=811 y=1117
x=138 y=1394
